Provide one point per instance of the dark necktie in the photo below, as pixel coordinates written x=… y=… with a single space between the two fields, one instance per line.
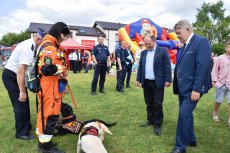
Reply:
x=32 y=47
x=78 y=56
x=182 y=51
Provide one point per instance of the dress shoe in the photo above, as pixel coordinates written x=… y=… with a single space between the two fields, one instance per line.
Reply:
x=157 y=131
x=146 y=124
x=93 y=93
x=101 y=91
x=192 y=144
x=26 y=137
x=121 y=91
x=178 y=151
x=48 y=147
x=53 y=143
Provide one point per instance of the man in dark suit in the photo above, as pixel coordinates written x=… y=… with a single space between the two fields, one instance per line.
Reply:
x=74 y=61
x=154 y=73
x=192 y=79
x=79 y=63
x=129 y=59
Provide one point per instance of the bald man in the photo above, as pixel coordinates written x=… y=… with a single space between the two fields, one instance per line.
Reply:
x=154 y=73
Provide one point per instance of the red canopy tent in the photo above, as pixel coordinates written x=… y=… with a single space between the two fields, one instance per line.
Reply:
x=72 y=44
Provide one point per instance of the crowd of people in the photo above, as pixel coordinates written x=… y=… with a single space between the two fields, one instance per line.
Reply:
x=193 y=77
x=78 y=61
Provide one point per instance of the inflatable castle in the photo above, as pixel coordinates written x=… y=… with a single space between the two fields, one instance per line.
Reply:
x=135 y=32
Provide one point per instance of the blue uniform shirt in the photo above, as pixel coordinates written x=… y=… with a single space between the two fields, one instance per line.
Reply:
x=120 y=53
x=101 y=53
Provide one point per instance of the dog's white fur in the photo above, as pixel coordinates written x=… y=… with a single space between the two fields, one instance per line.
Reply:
x=91 y=143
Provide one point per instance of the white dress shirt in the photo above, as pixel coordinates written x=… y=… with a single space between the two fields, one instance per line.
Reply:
x=149 y=66
x=22 y=54
x=71 y=56
x=74 y=56
x=188 y=40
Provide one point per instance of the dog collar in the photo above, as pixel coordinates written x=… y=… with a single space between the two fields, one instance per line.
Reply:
x=89 y=131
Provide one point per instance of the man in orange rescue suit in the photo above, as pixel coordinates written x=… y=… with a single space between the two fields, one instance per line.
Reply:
x=53 y=72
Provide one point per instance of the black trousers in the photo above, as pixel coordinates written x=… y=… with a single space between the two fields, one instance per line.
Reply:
x=74 y=62
x=154 y=97
x=121 y=78
x=71 y=65
x=100 y=69
x=21 y=109
x=128 y=73
x=86 y=67
x=78 y=68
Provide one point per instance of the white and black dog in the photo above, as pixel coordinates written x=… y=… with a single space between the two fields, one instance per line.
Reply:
x=91 y=132
x=92 y=135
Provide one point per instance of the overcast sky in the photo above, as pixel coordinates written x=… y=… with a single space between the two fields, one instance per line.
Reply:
x=16 y=15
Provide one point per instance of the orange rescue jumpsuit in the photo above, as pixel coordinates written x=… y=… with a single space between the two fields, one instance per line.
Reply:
x=52 y=68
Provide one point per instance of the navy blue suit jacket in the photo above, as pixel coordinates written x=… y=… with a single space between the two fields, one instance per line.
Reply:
x=192 y=71
x=162 y=67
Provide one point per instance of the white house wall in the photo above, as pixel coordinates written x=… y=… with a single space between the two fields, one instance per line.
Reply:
x=111 y=36
x=110 y=39
x=79 y=38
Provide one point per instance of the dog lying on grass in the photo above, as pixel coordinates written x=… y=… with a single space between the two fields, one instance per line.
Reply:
x=92 y=135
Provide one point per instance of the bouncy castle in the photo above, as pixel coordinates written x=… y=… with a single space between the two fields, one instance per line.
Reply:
x=135 y=32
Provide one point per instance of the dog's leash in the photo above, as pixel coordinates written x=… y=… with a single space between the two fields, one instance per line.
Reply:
x=74 y=101
x=72 y=98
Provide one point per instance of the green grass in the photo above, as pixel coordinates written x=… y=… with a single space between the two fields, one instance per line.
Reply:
x=128 y=110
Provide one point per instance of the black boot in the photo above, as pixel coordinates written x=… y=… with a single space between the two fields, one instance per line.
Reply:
x=48 y=147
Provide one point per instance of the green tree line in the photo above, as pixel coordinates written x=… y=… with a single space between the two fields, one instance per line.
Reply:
x=13 y=38
x=212 y=23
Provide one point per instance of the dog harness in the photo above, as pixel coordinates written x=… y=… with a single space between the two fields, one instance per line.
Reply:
x=73 y=127
x=89 y=131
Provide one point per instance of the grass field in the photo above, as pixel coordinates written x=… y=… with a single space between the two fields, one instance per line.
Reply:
x=128 y=110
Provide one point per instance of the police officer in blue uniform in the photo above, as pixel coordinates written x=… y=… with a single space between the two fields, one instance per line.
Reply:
x=121 y=66
x=101 y=58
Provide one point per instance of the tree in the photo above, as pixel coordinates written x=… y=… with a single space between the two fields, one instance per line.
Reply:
x=212 y=23
x=218 y=49
x=13 y=38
